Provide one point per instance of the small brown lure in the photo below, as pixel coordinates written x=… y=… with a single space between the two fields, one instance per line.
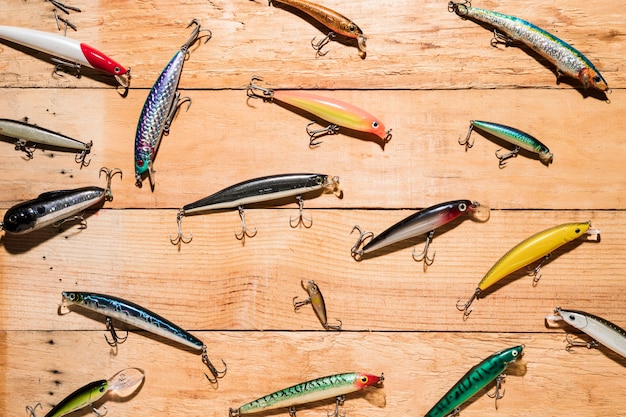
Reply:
x=337 y=23
x=317 y=301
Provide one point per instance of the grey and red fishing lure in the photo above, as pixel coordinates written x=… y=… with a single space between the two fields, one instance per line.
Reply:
x=507 y=29
x=160 y=107
x=56 y=207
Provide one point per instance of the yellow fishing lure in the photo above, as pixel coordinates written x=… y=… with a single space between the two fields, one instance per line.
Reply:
x=537 y=246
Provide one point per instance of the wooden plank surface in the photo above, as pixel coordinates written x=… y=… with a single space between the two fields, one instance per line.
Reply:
x=426 y=75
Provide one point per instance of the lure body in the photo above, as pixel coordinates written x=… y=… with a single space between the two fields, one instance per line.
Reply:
x=133 y=314
x=566 y=58
x=62 y=47
x=260 y=190
x=474 y=380
x=153 y=121
x=334 y=111
x=315 y=390
x=80 y=398
x=51 y=207
x=605 y=332
x=515 y=137
x=26 y=133
x=329 y=18
x=122 y=384
x=316 y=299
x=421 y=222
x=531 y=249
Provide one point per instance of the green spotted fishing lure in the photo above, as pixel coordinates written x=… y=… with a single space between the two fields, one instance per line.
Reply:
x=507 y=29
x=476 y=379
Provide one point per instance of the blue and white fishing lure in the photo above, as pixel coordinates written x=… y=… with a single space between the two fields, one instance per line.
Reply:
x=160 y=107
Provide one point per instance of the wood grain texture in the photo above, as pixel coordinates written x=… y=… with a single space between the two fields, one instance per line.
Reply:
x=426 y=75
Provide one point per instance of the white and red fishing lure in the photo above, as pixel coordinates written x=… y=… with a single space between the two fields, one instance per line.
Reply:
x=69 y=51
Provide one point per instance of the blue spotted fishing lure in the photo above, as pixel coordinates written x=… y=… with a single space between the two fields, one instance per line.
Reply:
x=568 y=61
x=160 y=107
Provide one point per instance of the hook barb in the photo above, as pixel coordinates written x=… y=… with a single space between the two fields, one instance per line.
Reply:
x=502 y=157
x=116 y=340
x=109 y=175
x=245 y=231
x=465 y=308
x=255 y=91
x=301 y=220
x=466 y=142
x=314 y=134
x=357 y=251
x=423 y=256
x=180 y=237
x=535 y=271
x=571 y=343
x=321 y=43
x=496 y=393
x=32 y=409
x=216 y=374
x=338 y=403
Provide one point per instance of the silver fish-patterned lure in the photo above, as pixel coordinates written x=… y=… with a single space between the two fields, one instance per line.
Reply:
x=567 y=59
x=160 y=107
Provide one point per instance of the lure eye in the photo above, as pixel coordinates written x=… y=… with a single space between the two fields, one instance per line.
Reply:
x=364 y=379
x=352 y=28
x=116 y=70
x=577 y=231
x=572 y=317
x=462 y=207
x=596 y=79
x=514 y=353
x=375 y=124
x=140 y=163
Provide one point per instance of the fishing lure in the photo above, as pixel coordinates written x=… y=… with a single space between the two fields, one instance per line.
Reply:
x=56 y=207
x=601 y=330
x=315 y=390
x=161 y=106
x=255 y=191
x=66 y=52
x=510 y=134
x=476 y=379
x=337 y=23
x=122 y=384
x=567 y=60
x=537 y=246
x=140 y=317
x=424 y=221
x=317 y=301
x=30 y=134
x=337 y=113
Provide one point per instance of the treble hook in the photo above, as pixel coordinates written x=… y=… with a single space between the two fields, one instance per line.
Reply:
x=180 y=237
x=216 y=374
x=195 y=35
x=60 y=63
x=100 y=413
x=31 y=410
x=116 y=339
x=266 y=94
x=176 y=105
x=244 y=229
x=109 y=175
x=297 y=305
x=66 y=23
x=323 y=42
x=20 y=145
x=464 y=307
x=500 y=38
x=503 y=157
x=496 y=394
x=316 y=133
x=80 y=158
x=307 y=223
x=338 y=402
x=571 y=343
x=355 y=252
x=536 y=270
x=466 y=142
x=423 y=256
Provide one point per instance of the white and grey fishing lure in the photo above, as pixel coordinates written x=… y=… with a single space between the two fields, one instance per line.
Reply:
x=28 y=137
x=257 y=190
x=602 y=330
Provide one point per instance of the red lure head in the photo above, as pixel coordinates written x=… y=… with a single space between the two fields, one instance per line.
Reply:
x=100 y=61
x=591 y=78
x=367 y=380
x=378 y=128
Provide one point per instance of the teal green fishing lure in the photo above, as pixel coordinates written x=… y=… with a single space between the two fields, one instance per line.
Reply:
x=476 y=379
x=568 y=61
x=521 y=140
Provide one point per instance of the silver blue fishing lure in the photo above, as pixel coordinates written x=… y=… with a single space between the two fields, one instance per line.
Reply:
x=160 y=107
